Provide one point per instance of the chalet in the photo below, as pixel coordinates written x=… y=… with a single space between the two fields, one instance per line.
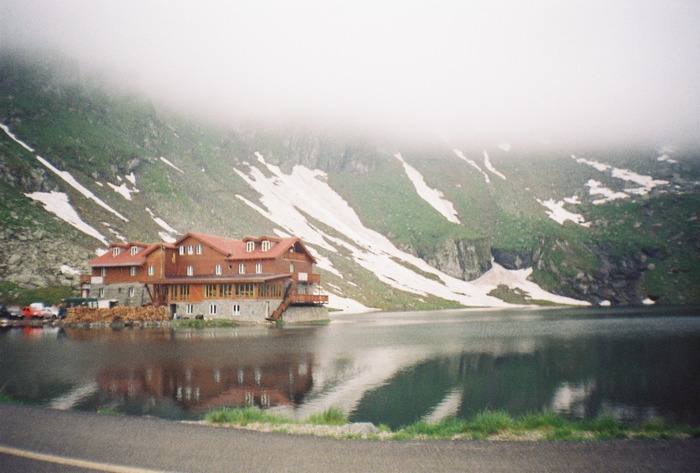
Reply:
x=252 y=279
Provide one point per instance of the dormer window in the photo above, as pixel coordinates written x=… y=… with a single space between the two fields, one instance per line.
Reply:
x=250 y=246
x=116 y=251
x=266 y=245
x=134 y=250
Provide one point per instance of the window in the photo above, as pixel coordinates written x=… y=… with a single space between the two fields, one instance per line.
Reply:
x=116 y=251
x=198 y=249
x=180 y=292
x=212 y=309
x=132 y=271
x=217 y=270
x=266 y=244
x=151 y=270
x=225 y=290
x=189 y=309
x=236 y=309
x=134 y=250
x=131 y=292
x=103 y=272
x=245 y=290
x=210 y=291
x=271 y=291
x=190 y=249
x=190 y=270
x=258 y=268
x=291 y=267
x=241 y=268
x=101 y=292
x=182 y=250
x=250 y=246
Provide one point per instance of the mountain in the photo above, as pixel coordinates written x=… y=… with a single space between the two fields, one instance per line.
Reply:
x=394 y=224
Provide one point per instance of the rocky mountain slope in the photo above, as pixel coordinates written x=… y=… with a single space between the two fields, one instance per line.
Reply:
x=394 y=224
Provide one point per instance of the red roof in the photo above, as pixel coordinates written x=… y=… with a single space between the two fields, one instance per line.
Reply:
x=232 y=250
x=235 y=250
x=125 y=258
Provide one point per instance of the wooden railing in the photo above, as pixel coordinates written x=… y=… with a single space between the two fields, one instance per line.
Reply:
x=309 y=299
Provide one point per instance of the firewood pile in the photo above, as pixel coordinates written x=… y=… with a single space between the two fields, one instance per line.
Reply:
x=117 y=314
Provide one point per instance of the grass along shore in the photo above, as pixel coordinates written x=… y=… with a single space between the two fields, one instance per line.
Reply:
x=487 y=425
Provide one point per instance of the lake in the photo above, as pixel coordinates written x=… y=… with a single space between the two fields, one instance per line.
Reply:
x=387 y=368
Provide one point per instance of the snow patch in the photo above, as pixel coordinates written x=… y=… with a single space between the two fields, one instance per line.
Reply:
x=472 y=163
x=111 y=230
x=559 y=214
x=288 y=198
x=594 y=164
x=171 y=165
x=646 y=183
x=666 y=159
x=518 y=279
x=58 y=204
x=489 y=166
x=347 y=305
x=166 y=237
x=434 y=197
x=24 y=145
x=65 y=269
x=66 y=176
x=596 y=188
x=123 y=190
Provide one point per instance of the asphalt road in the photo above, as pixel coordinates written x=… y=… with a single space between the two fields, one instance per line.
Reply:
x=35 y=439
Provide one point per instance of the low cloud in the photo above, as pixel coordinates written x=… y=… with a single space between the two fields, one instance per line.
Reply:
x=503 y=70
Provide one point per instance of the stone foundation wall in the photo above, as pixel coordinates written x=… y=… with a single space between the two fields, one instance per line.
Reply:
x=299 y=314
x=121 y=294
x=241 y=310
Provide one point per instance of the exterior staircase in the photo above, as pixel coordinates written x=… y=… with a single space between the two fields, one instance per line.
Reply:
x=286 y=301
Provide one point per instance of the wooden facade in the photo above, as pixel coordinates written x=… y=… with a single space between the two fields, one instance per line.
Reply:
x=212 y=276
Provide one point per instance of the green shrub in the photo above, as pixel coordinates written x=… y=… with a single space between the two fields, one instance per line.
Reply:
x=331 y=416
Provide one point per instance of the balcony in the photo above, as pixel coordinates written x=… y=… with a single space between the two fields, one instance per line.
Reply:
x=308 y=299
x=307 y=278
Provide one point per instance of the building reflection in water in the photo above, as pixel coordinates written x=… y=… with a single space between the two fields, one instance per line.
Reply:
x=199 y=388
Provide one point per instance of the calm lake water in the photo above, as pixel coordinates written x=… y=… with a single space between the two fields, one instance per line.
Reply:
x=391 y=368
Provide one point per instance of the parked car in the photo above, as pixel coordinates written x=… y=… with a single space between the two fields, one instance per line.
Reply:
x=4 y=312
x=35 y=309
x=53 y=312
x=15 y=311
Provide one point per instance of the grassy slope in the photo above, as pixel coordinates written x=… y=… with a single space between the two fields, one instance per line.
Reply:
x=98 y=137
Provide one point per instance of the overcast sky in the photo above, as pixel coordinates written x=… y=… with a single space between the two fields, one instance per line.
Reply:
x=502 y=70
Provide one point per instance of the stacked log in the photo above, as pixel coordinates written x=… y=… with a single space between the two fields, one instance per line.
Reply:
x=117 y=314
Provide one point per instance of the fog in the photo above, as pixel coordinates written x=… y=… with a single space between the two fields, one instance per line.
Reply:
x=598 y=71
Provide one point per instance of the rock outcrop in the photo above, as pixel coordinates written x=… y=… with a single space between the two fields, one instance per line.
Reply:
x=36 y=258
x=462 y=259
